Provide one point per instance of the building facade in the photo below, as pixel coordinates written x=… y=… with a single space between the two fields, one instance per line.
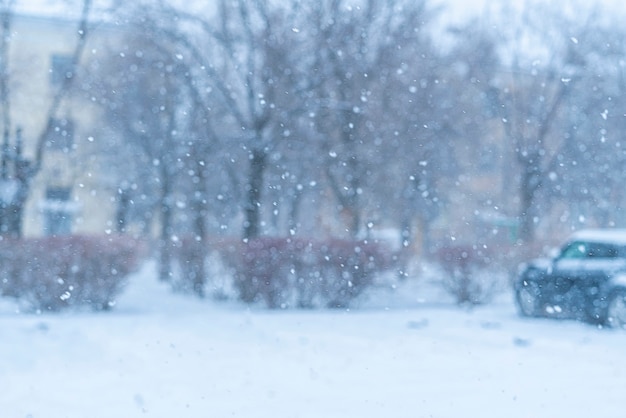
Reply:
x=66 y=194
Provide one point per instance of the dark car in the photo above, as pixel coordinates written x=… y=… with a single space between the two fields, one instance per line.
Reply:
x=585 y=281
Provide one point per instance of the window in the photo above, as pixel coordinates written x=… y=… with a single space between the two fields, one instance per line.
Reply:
x=60 y=69
x=58 y=211
x=590 y=250
x=61 y=137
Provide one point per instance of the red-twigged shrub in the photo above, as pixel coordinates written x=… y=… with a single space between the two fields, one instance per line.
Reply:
x=52 y=273
x=470 y=273
x=293 y=272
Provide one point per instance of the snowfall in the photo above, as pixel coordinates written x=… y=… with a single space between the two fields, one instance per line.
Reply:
x=396 y=354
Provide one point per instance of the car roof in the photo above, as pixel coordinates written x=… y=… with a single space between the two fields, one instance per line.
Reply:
x=613 y=236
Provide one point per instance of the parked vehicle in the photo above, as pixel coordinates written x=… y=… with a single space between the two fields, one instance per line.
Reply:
x=585 y=281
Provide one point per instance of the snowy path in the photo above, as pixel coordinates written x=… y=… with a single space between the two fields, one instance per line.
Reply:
x=164 y=355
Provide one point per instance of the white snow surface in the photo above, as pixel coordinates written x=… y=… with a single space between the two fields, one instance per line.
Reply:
x=159 y=354
x=615 y=236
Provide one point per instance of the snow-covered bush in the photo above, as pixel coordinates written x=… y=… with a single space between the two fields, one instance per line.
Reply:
x=470 y=273
x=189 y=269
x=293 y=272
x=198 y=268
x=52 y=273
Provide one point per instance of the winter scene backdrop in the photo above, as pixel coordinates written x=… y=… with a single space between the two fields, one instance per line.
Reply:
x=303 y=208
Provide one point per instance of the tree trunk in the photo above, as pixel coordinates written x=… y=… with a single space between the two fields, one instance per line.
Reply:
x=123 y=206
x=14 y=218
x=294 y=212
x=530 y=184
x=258 y=164
x=165 y=241
x=198 y=268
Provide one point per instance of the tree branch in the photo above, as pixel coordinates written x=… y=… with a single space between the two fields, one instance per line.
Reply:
x=64 y=88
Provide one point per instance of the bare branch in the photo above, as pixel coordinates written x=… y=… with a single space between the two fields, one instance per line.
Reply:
x=64 y=88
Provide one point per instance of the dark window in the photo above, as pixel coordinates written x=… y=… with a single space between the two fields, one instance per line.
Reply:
x=60 y=69
x=61 y=136
x=58 y=193
x=590 y=250
x=58 y=211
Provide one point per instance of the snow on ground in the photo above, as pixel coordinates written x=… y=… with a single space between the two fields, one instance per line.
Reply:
x=160 y=354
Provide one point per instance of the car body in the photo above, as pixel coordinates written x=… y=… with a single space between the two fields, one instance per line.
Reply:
x=585 y=281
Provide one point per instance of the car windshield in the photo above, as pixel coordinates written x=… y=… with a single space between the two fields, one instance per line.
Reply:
x=581 y=249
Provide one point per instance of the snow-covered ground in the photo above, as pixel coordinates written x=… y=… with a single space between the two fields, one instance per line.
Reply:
x=160 y=354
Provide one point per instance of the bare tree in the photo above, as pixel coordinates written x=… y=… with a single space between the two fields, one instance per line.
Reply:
x=360 y=53
x=241 y=55
x=533 y=97
x=143 y=96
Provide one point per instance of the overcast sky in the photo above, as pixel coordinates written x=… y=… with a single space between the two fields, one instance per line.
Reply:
x=455 y=10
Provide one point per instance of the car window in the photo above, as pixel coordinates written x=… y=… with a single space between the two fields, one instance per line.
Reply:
x=580 y=249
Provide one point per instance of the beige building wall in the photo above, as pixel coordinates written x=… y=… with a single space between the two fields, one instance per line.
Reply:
x=38 y=45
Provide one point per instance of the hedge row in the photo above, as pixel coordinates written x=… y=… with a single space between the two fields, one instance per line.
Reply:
x=292 y=272
x=52 y=273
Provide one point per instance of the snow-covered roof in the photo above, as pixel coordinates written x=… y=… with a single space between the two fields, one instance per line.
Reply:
x=615 y=236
